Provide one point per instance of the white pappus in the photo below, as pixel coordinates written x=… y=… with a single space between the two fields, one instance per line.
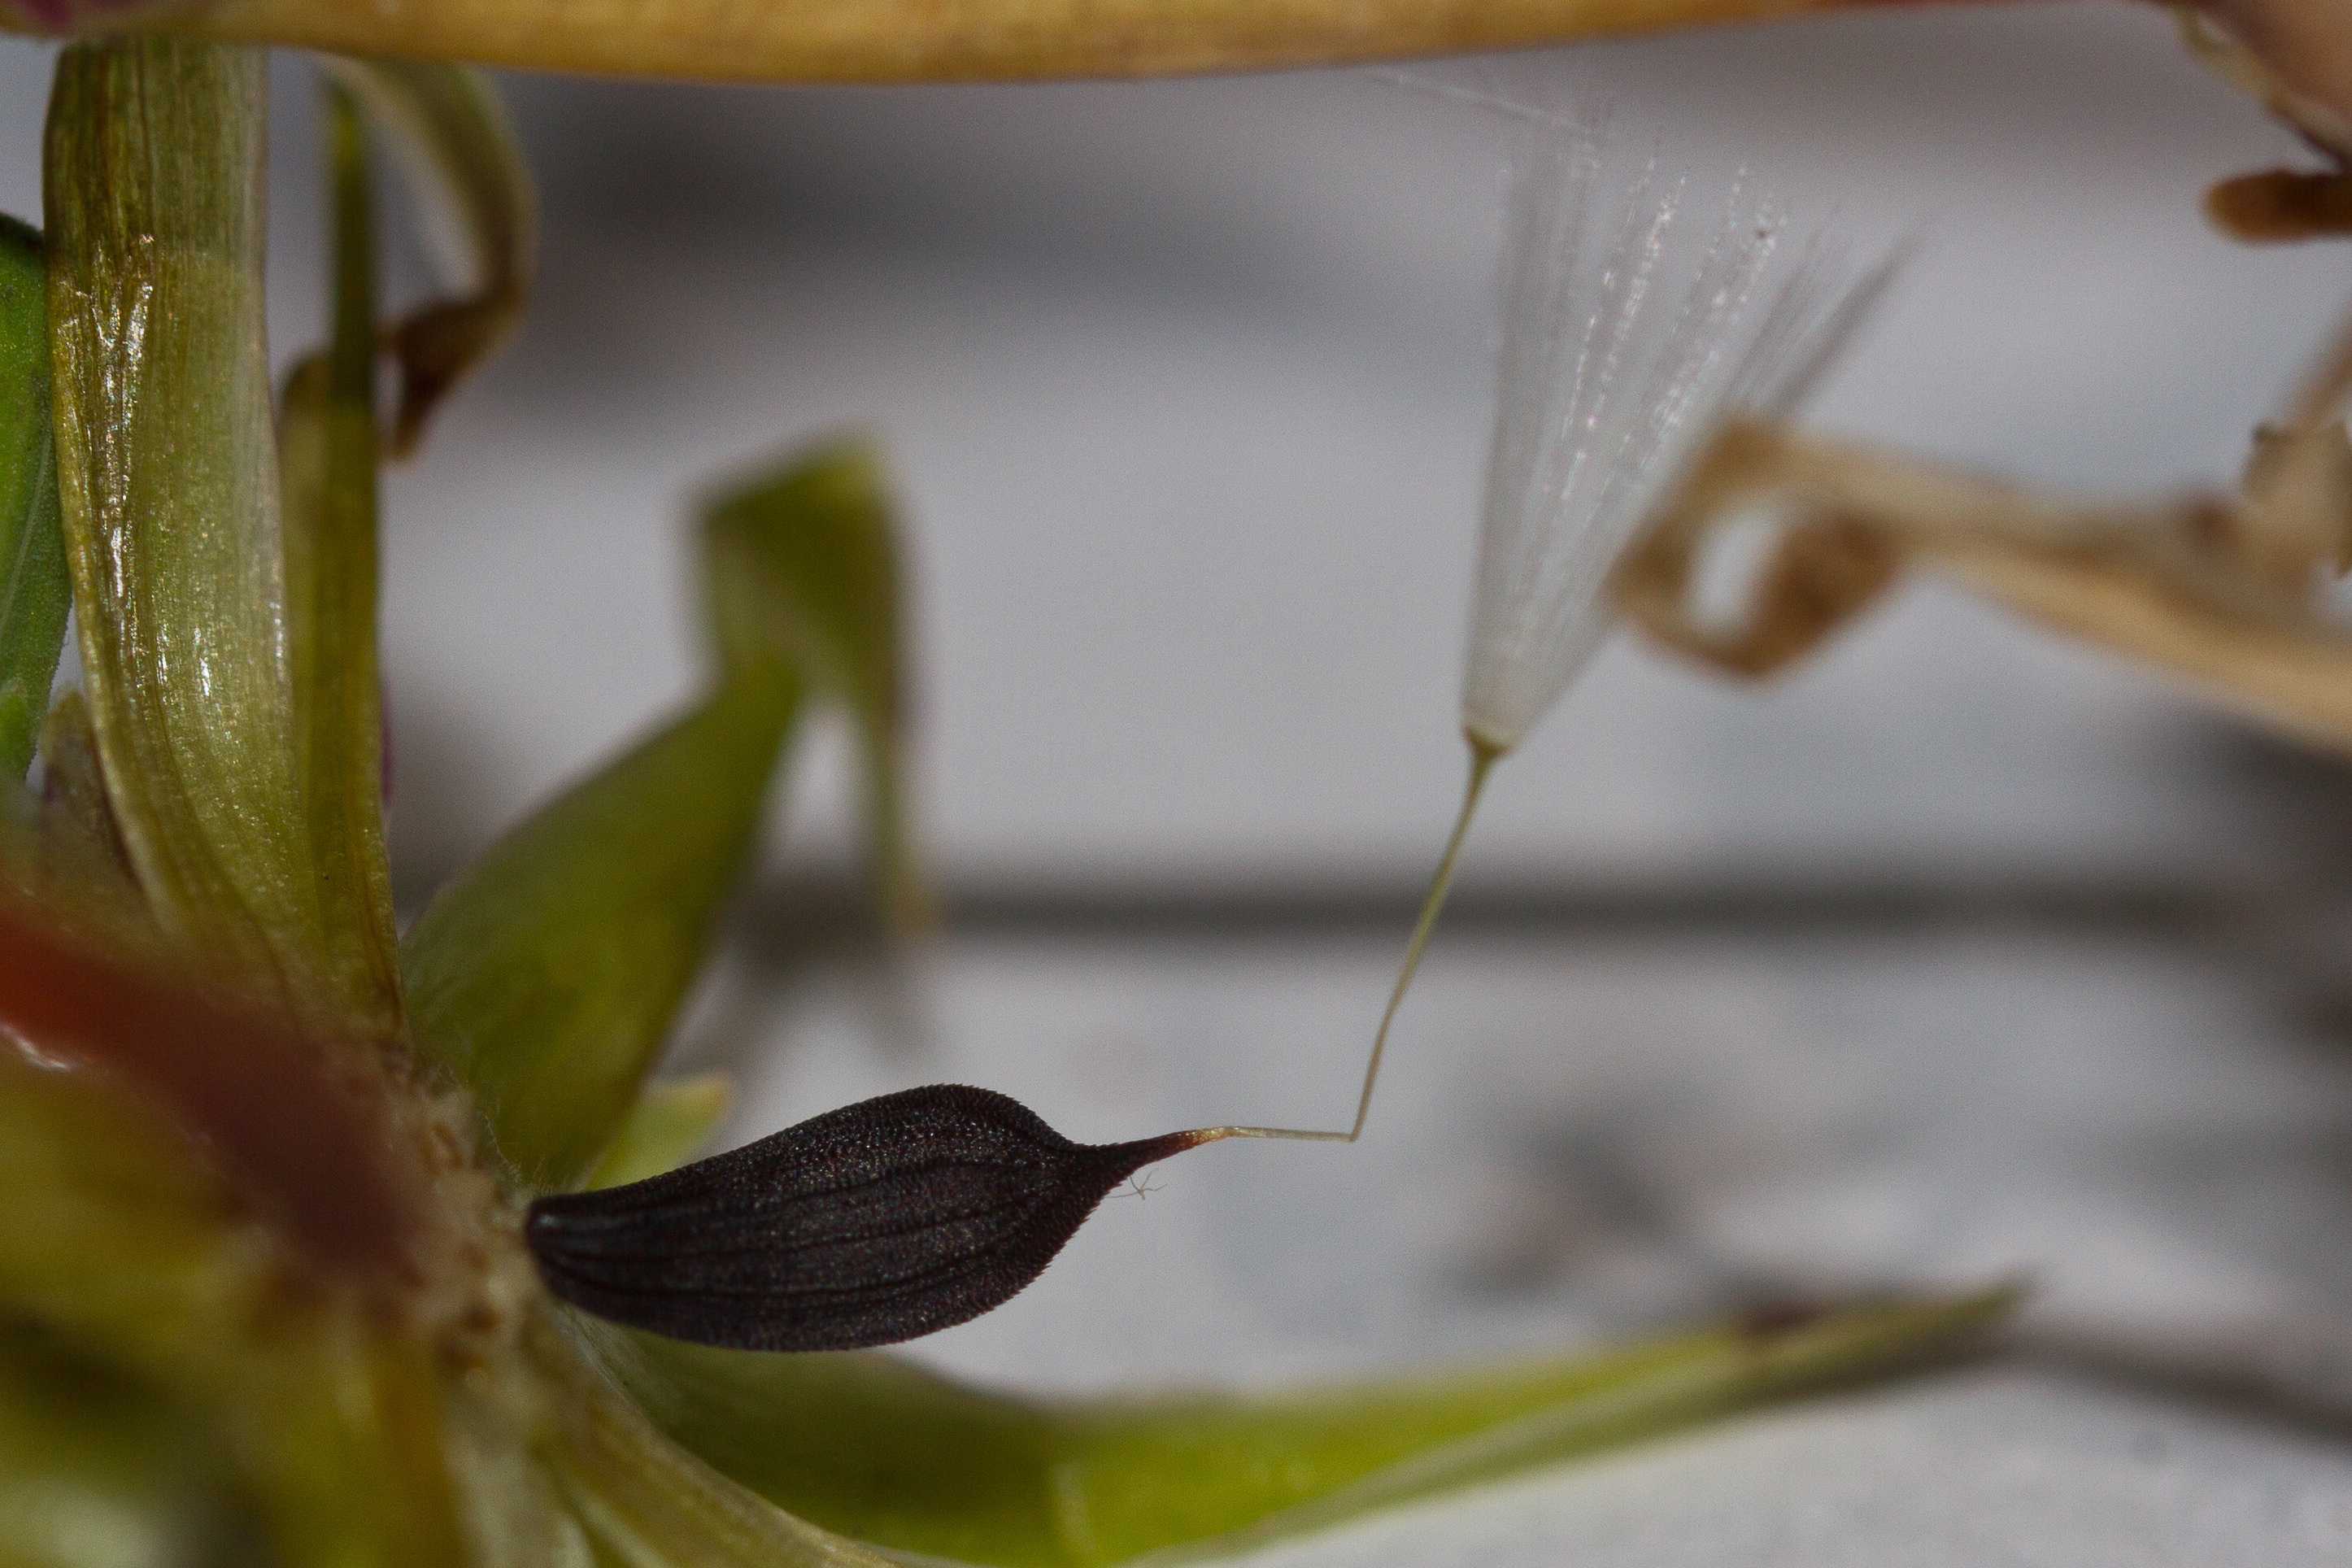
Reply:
x=1632 y=329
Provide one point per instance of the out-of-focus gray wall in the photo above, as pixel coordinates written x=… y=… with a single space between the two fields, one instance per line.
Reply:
x=1186 y=387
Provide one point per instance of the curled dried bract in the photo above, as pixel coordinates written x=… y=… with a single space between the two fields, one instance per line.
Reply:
x=2226 y=590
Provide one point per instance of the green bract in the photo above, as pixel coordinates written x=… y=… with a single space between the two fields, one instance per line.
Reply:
x=33 y=592
x=449 y=137
x=877 y=1448
x=166 y=465
x=546 y=976
x=261 y=1294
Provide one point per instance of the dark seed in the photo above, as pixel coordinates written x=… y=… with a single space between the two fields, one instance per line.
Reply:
x=866 y=1225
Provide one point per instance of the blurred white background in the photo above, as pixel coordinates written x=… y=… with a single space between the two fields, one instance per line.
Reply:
x=1187 y=384
x=1962 y=952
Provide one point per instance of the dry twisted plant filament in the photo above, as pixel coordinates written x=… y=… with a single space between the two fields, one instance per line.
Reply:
x=2225 y=590
x=2280 y=203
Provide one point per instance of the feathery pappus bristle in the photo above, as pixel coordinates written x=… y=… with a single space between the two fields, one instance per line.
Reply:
x=1632 y=329
x=1633 y=323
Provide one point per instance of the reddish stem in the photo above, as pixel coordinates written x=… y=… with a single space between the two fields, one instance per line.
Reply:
x=311 y=1151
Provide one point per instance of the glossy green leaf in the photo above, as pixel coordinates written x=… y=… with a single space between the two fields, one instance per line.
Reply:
x=33 y=594
x=803 y=566
x=327 y=456
x=168 y=476
x=648 y=1503
x=881 y=1450
x=449 y=134
x=546 y=975
x=668 y=1124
